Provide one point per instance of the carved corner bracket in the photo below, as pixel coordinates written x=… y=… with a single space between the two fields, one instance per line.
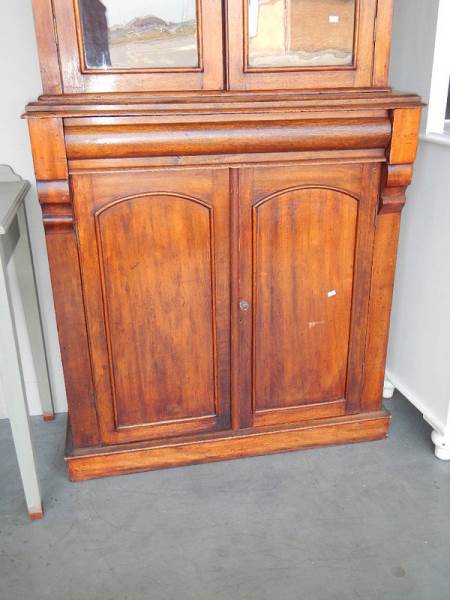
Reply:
x=401 y=154
x=54 y=197
x=395 y=180
x=50 y=165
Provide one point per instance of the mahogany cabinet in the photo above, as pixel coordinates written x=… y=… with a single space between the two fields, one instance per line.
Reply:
x=221 y=186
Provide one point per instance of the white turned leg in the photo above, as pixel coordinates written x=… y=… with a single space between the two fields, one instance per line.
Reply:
x=442 y=445
x=388 y=389
x=13 y=385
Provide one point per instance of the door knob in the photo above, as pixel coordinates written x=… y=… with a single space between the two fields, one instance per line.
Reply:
x=244 y=305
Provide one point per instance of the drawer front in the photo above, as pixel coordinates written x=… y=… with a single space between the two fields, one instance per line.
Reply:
x=107 y=139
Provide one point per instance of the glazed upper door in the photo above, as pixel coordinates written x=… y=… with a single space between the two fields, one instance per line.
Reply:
x=306 y=240
x=154 y=254
x=139 y=45
x=290 y=44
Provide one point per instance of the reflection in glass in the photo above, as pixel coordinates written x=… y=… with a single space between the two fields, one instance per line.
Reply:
x=139 y=34
x=300 y=33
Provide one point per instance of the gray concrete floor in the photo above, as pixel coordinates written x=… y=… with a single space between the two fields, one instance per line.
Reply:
x=370 y=521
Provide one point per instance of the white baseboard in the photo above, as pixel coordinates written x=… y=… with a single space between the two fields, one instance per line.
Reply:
x=428 y=414
x=441 y=429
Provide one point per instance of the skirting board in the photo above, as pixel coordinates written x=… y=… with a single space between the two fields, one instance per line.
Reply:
x=441 y=434
x=428 y=415
x=106 y=461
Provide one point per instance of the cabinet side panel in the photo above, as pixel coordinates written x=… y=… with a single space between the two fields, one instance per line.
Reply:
x=383 y=272
x=47 y=140
x=360 y=305
x=48 y=50
x=397 y=175
x=66 y=283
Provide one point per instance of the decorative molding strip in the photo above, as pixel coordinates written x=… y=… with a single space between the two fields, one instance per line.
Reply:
x=57 y=224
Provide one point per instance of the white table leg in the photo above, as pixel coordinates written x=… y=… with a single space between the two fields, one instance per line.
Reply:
x=37 y=343
x=13 y=383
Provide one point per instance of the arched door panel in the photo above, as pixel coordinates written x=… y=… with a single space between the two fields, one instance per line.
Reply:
x=304 y=249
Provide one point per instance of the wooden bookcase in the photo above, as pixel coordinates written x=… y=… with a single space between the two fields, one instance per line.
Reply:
x=221 y=190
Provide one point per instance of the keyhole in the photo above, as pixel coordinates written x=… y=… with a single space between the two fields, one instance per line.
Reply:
x=244 y=305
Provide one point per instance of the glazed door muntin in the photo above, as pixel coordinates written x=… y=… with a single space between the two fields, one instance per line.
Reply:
x=169 y=327
x=357 y=183
x=77 y=77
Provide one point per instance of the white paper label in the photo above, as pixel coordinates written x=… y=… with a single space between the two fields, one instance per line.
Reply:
x=333 y=19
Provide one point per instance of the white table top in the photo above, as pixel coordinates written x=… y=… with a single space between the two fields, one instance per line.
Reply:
x=12 y=192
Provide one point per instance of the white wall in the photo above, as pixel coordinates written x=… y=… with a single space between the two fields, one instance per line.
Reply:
x=20 y=83
x=413 y=45
x=419 y=350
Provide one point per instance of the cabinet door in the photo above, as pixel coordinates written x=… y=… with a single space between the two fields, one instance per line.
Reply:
x=119 y=46
x=292 y=44
x=154 y=250
x=305 y=265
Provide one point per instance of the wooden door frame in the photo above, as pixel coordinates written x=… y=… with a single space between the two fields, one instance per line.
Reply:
x=371 y=47
x=97 y=323
x=242 y=324
x=76 y=79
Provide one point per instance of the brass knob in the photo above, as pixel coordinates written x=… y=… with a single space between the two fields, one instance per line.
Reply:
x=244 y=305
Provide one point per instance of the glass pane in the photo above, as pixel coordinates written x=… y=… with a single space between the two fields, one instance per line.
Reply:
x=300 y=33
x=139 y=34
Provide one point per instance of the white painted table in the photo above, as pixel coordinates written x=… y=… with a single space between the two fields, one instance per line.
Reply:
x=13 y=225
